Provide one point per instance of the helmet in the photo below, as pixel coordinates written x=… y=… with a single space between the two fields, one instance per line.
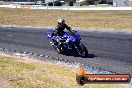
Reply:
x=61 y=20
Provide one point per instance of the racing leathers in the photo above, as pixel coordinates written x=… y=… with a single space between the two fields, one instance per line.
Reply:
x=59 y=31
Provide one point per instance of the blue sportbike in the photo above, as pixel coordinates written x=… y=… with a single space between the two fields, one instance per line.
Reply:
x=69 y=42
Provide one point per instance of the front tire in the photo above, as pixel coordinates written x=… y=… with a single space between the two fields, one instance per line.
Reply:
x=59 y=50
x=81 y=50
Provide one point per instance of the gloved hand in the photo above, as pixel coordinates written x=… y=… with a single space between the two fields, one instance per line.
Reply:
x=72 y=32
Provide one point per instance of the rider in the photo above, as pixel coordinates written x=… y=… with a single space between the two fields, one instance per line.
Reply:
x=59 y=30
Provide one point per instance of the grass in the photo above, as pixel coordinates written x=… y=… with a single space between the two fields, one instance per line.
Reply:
x=88 y=19
x=29 y=73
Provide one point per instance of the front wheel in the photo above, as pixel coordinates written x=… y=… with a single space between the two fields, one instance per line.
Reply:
x=59 y=49
x=81 y=50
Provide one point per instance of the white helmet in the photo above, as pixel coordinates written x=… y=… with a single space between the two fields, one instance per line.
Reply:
x=61 y=20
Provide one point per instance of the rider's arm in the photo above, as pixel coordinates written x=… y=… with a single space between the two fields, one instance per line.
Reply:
x=67 y=27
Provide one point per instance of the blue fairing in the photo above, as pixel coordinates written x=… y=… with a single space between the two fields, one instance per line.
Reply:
x=71 y=37
x=69 y=42
x=49 y=33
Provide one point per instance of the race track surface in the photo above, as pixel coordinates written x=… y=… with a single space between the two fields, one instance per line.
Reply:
x=109 y=51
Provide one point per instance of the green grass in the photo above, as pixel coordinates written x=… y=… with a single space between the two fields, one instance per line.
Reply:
x=28 y=73
x=88 y=19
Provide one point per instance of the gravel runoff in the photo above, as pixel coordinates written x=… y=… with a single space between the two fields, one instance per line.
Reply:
x=71 y=65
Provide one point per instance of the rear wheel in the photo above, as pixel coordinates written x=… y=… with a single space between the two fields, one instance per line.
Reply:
x=81 y=50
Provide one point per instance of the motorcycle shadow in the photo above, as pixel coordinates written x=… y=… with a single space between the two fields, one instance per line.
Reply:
x=91 y=56
x=76 y=55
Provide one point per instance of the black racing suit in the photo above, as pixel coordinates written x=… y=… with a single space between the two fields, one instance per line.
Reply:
x=59 y=31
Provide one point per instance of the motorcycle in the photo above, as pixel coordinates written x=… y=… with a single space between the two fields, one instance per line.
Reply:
x=69 y=42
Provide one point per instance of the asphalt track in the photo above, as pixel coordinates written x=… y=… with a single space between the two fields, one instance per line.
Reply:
x=109 y=51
